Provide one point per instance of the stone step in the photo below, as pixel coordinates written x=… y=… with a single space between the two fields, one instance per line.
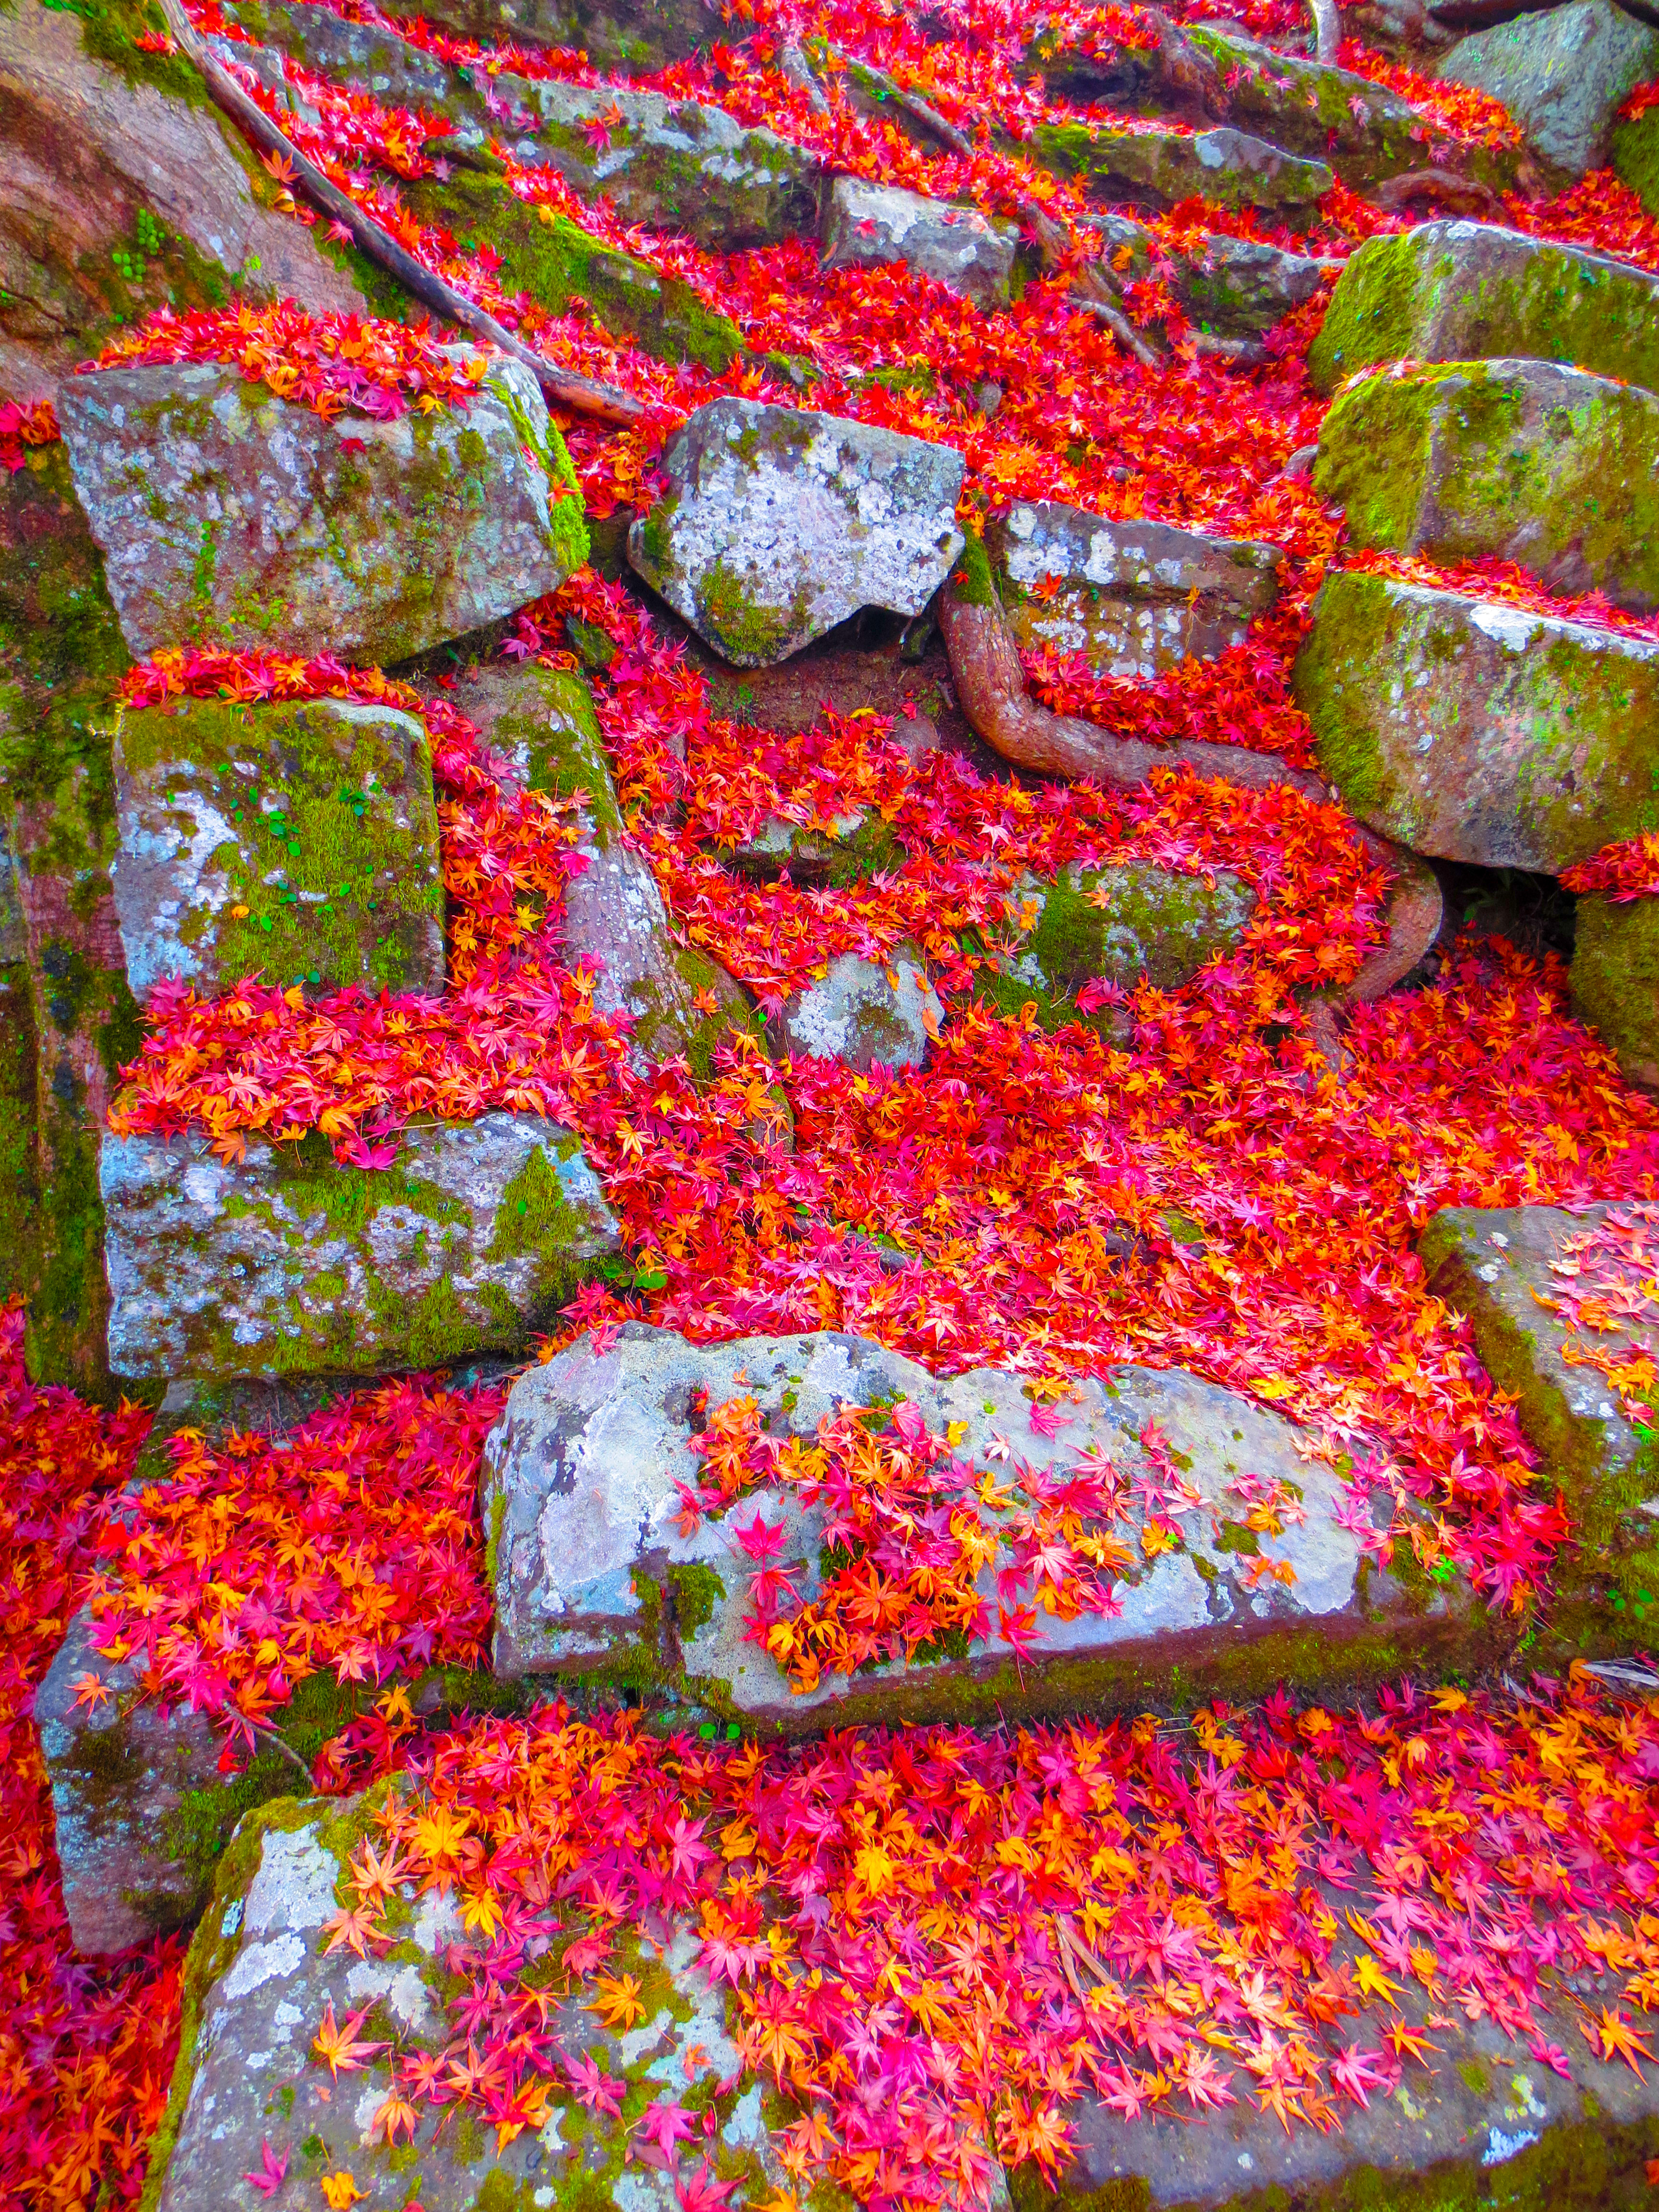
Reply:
x=648 y=2088
x=1159 y=168
x=1514 y=1271
x=1521 y=460
x=966 y=251
x=223 y=512
x=1563 y=75
x=1133 y=597
x=287 y=1263
x=595 y=1572
x=1470 y=291
x=1474 y=730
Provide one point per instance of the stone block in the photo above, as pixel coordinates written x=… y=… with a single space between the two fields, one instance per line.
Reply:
x=1563 y=74
x=1160 y=168
x=966 y=251
x=864 y=1014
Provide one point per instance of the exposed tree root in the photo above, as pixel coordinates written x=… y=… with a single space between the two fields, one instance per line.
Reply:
x=989 y=681
x=1463 y=195
x=577 y=394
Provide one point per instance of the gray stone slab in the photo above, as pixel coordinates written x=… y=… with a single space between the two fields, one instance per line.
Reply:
x=1563 y=75
x=966 y=251
x=779 y=523
x=1160 y=168
x=592 y=1568
x=224 y=512
x=278 y=1265
x=1133 y=597
x=863 y=1012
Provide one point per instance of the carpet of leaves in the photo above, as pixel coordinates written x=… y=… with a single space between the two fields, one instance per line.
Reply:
x=996 y=1921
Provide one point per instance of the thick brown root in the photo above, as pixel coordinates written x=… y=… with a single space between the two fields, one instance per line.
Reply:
x=1463 y=195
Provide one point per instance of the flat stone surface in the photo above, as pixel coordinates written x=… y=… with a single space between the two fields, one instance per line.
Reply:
x=779 y=523
x=477 y=1236
x=368 y=56
x=1472 y=291
x=1133 y=597
x=250 y=2079
x=581 y=1500
x=119 y=1768
x=1482 y=2121
x=1524 y=460
x=1363 y=130
x=864 y=1014
x=966 y=251
x=1158 y=168
x=225 y=512
x=1475 y=730
x=618 y=36
x=298 y=841
x=1563 y=75
x=671 y=164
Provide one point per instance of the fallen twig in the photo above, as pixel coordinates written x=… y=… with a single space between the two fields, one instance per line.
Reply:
x=566 y=388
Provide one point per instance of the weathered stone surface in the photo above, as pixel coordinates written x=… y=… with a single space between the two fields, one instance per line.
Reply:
x=224 y=512
x=1506 y=1267
x=590 y=1567
x=1633 y=155
x=87 y=145
x=1134 y=597
x=299 y=841
x=858 y=844
x=672 y=164
x=1615 y=980
x=284 y=1265
x=616 y=35
x=62 y=659
x=119 y=1771
x=1158 y=168
x=1240 y=286
x=1486 y=2124
x=1469 y=291
x=368 y=56
x=615 y=921
x=247 y=2077
x=1563 y=75
x=864 y=1014
x=1365 y=132
x=779 y=523
x=1474 y=730
x=1138 y=923
x=957 y=246
x=1522 y=459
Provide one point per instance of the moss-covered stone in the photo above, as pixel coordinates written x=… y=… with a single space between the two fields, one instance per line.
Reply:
x=548 y=257
x=1468 y=291
x=299 y=841
x=1160 y=168
x=1476 y=731
x=1615 y=980
x=1635 y=157
x=1307 y=107
x=1518 y=459
x=62 y=658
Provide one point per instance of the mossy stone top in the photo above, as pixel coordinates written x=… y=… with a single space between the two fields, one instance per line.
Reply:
x=1471 y=291
x=288 y=1264
x=297 y=842
x=227 y=515
x=1521 y=460
x=1159 y=168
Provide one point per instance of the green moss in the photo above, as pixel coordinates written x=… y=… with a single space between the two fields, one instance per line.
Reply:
x=749 y=631
x=1416 y=295
x=321 y=883
x=563 y=751
x=1635 y=157
x=556 y=262
x=696 y=1590
x=972 y=579
x=493 y=1540
x=19 y=1221
x=1615 y=980
x=109 y=32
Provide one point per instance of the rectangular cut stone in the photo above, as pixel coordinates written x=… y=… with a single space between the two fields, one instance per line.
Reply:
x=1133 y=597
x=296 y=841
x=1159 y=168
x=1521 y=460
x=1506 y=1269
x=957 y=246
x=225 y=513
x=592 y=1571
x=477 y=1236
x=1466 y=291
x=1475 y=730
